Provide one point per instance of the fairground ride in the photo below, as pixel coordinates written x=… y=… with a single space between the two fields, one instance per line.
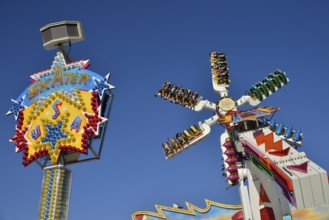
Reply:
x=254 y=147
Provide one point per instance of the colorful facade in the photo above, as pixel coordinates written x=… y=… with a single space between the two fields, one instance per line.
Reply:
x=61 y=113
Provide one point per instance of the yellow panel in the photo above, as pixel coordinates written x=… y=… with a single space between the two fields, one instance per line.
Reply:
x=58 y=112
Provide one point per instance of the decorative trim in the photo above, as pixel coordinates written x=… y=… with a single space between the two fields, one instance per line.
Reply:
x=189 y=211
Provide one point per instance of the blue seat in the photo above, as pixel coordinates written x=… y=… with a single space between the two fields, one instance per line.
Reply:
x=279 y=129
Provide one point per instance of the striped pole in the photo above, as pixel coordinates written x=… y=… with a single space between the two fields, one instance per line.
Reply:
x=55 y=195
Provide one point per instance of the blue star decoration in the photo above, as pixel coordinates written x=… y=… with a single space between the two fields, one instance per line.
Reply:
x=101 y=85
x=16 y=107
x=54 y=133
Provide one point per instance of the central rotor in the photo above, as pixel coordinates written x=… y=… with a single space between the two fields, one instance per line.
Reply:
x=225 y=105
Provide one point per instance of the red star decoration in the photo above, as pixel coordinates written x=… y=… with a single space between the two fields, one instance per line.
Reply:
x=20 y=140
x=91 y=128
x=21 y=145
x=93 y=122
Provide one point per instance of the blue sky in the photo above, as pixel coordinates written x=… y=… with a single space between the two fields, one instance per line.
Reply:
x=143 y=44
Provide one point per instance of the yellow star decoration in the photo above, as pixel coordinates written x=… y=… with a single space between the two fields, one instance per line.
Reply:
x=59 y=107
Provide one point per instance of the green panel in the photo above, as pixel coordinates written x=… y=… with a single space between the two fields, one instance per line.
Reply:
x=261 y=166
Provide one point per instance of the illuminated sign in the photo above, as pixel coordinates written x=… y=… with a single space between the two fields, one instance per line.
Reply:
x=60 y=112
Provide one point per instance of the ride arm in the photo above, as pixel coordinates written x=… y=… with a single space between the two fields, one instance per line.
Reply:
x=188 y=137
x=204 y=104
x=263 y=89
x=219 y=72
x=185 y=97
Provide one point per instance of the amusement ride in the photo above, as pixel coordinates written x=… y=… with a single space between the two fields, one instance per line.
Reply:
x=255 y=149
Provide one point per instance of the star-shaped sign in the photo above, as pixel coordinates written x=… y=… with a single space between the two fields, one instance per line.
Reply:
x=54 y=134
x=59 y=62
x=16 y=107
x=20 y=139
x=101 y=85
x=59 y=112
x=94 y=121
